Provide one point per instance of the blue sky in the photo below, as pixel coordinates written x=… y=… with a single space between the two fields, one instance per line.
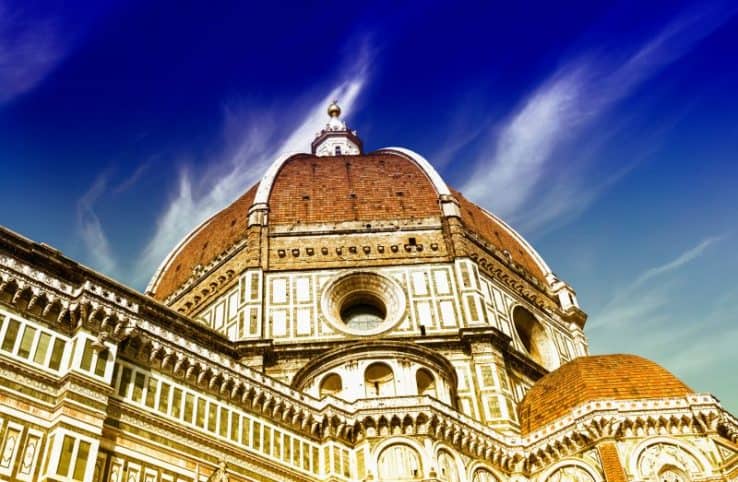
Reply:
x=607 y=133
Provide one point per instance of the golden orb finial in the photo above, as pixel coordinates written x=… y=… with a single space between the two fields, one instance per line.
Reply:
x=333 y=109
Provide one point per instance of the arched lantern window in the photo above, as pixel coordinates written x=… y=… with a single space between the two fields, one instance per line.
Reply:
x=399 y=462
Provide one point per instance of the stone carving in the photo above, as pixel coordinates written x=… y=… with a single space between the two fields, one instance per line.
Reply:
x=570 y=473
x=7 y=456
x=653 y=459
x=220 y=474
x=29 y=456
x=483 y=475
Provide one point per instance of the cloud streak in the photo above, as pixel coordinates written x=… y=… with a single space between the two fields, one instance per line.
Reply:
x=638 y=302
x=91 y=230
x=232 y=173
x=29 y=49
x=531 y=145
x=676 y=263
x=132 y=179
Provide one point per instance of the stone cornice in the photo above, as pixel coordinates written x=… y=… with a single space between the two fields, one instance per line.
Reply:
x=68 y=296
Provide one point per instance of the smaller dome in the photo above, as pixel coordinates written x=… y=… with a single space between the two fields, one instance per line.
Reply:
x=590 y=378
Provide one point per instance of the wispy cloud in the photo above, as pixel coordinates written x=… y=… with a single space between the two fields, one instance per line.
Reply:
x=132 y=179
x=530 y=145
x=29 y=49
x=676 y=263
x=640 y=301
x=201 y=195
x=91 y=230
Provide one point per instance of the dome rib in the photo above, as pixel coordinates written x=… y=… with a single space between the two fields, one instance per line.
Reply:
x=438 y=182
x=500 y=234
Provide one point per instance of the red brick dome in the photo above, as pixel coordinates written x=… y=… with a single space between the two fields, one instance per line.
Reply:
x=600 y=377
x=390 y=186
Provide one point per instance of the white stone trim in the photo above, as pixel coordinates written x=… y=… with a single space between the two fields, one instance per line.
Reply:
x=165 y=264
x=265 y=185
x=262 y=197
x=439 y=446
x=479 y=465
x=435 y=178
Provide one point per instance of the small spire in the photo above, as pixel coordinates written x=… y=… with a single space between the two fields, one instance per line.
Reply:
x=334 y=110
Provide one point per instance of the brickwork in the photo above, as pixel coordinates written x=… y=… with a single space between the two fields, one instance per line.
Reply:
x=602 y=377
x=611 y=462
x=342 y=188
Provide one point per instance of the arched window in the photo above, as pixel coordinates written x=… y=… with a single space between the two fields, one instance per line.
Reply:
x=447 y=467
x=570 y=473
x=330 y=385
x=379 y=380
x=425 y=382
x=399 y=462
x=484 y=475
x=669 y=473
x=535 y=339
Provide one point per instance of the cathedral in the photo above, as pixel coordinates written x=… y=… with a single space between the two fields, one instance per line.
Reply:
x=349 y=318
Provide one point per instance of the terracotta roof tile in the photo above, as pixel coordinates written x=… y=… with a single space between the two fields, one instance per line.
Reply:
x=351 y=188
x=602 y=377
x=476 y=220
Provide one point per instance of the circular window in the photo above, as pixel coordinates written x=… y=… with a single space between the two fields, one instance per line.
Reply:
x=363 y=303
x=363 y=312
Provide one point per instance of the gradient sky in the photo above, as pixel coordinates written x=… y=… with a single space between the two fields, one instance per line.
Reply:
x=606 y=133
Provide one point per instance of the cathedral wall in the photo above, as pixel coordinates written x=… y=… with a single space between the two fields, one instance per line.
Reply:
x=188 y=407
x=293 y=308
x=92 y=393
x=71 y=411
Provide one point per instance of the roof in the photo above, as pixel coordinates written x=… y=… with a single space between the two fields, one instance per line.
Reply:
x=311 y=189
x=204 y=244
x=590 y=378
x=389 y=185
x=476 y=220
